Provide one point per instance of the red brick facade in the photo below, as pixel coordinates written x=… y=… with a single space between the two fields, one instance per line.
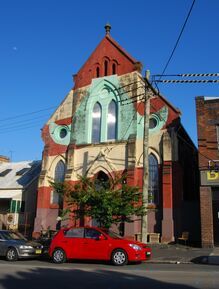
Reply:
x=207 y=110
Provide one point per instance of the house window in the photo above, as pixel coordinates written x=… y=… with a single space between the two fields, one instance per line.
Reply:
x=153 y=189
x=58 y=177
x=15 y=206
x=96 y=123
x=111 y=121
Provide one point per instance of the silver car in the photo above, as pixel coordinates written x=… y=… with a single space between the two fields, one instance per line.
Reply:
x=14 y=246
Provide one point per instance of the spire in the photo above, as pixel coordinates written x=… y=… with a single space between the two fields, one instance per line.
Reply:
x=107 y=28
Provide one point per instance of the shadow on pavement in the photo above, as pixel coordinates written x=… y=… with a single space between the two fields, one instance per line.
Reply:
x=46 y=278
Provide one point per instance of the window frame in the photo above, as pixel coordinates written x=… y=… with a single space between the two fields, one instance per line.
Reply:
x=116 y=120
x=54 y=196
x=153 y=189
x=99 y=124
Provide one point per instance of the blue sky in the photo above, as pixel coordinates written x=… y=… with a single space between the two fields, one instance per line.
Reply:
x=43 y=43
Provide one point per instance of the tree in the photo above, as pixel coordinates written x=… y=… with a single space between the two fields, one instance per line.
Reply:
x=108 y=203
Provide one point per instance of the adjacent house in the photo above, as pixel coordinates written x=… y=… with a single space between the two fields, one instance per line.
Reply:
x=207 y=110
x=18 y=194
x=97 y=131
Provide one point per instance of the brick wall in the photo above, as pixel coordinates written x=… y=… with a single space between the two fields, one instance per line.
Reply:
x=206 y=217
x=207 y=118
x=207 y=111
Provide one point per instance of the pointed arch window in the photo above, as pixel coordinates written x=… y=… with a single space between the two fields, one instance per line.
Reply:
x=153 y=190
x=59 y=176
x=96 y=123
x=112 y=121
x=105 y=68
x=114 y=68
x=98 y=71
x=60 y=172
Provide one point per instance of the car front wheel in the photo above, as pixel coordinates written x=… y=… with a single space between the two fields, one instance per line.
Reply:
x=11 y=254
x=119 y=257
x=58 y=256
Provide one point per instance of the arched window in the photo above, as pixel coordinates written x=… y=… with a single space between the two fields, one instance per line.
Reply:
x=114 y=68
x=60 y=172
x=153 y=190
x=97 y=71
x=59 y=176
x=105 y=68
x=102 y=181
x=96 y=123
x=111 y=121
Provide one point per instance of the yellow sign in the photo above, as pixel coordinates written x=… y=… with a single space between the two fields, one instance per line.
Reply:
x=212 y=176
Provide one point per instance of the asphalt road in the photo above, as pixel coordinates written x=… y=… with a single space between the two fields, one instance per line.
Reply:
x=33 y=274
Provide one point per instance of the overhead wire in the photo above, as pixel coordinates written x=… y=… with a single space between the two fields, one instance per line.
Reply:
x=178 y=39
x=185 y=141
x=54 y=107
x=22 y=121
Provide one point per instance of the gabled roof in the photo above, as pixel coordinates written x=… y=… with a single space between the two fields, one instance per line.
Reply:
x=109 y=49
x=18 y=175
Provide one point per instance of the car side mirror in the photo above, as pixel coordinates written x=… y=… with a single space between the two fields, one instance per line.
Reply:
x=101 y=237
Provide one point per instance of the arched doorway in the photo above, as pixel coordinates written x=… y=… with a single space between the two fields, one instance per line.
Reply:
x=101 y=181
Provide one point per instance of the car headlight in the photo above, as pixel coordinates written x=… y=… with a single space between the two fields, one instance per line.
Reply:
x=135 y=247
x=25 y=247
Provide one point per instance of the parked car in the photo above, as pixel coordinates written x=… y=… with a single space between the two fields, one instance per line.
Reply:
x=14 y=246
x=45 y=239
x=96 y=244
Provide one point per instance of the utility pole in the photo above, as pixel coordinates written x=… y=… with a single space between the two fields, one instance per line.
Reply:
x=144 y=223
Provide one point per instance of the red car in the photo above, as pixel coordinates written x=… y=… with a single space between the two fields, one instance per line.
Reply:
x=97 y=244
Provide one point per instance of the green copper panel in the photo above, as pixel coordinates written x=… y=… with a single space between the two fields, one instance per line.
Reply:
x=157 y=120
x=103 y=90
x=60 y=133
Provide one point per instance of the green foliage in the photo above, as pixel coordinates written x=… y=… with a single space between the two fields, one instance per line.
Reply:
x=106 y=202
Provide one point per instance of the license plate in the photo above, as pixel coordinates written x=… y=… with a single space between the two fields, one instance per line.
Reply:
x=38 y=251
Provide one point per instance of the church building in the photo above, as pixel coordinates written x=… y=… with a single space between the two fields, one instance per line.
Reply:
x=97 y=131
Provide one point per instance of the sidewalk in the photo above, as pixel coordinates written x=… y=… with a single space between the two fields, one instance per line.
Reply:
x=176 y=254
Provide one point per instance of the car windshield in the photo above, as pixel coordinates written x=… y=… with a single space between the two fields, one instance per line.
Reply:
x=11 y=236
x=112 y=234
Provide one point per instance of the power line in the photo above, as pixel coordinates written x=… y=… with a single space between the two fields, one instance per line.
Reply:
x=178 y=39
x=21 y=128
x=189 y=75
x=188 y=80
x=24 y=122
x=6 y=128
x=117 y=89
x=183 y=139
x=25 y=114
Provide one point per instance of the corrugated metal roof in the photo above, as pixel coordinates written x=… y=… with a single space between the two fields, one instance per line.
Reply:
x=13 y=181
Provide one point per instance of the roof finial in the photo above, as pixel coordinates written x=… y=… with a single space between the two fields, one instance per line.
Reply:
x=107 y=28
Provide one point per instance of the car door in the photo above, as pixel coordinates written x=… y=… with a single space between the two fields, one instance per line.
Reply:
x=93 y=246
x=71 y=242
x=3 y=245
